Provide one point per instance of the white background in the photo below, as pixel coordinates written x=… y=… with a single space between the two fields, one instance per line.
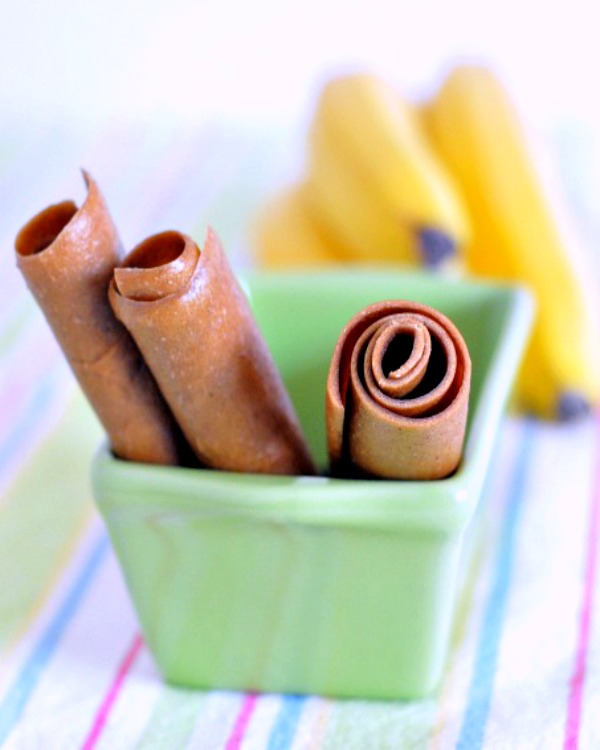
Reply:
x=264 y=60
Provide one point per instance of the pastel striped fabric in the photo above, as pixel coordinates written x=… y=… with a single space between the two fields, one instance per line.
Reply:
x=524 y=665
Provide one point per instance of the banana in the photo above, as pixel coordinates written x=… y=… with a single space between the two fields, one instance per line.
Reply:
x=476 y=130
x=285 y=234
x=375 y=182
x=358 y=216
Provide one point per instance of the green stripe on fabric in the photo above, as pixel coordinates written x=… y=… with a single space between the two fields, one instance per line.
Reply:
x=361 y=724
x=42 y=516
x=12 y=329
x=172 y=720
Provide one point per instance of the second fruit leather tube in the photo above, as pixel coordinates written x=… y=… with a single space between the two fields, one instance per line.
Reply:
x=196 y=332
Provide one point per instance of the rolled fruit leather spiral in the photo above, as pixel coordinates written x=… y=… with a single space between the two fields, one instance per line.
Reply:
x=67 y=256
x=194 y=326
x=397 y=394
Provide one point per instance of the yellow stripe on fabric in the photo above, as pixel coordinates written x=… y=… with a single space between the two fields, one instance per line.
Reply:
x=459 y=638
x=319 y=728
x=42 y=518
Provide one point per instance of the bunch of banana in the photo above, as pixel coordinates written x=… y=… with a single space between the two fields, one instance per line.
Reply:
x=476 y=131
x=374 y=188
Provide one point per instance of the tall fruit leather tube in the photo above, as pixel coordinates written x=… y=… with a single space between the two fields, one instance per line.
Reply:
x=476 y=130
x=195 y=329
x=67 y=256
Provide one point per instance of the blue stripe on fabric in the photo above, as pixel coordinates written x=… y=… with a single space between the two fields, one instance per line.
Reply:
x=482 y=683
x=26 y=681
x=286 y=723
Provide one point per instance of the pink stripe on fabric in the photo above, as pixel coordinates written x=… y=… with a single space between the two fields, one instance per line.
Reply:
x=241 y=723
x=113 y=693
x=574 y=708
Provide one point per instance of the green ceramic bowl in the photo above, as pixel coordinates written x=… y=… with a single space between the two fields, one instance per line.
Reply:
x=313 y=585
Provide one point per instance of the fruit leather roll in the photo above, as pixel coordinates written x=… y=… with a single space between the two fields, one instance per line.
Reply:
x=397 y=394
x=195 y=330
x=67 y=256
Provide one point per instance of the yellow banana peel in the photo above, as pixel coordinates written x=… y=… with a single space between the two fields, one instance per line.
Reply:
x=374 y=180
x=474 y=127
x=355 y=213
x=285 y=234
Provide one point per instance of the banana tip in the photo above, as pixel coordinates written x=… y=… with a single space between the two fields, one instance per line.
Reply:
x=435 y=246
x=571 y=406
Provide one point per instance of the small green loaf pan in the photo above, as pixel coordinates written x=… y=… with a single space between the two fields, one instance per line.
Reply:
x=311 y=584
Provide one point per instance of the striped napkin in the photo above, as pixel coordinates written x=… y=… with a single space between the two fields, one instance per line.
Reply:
x=523 y=669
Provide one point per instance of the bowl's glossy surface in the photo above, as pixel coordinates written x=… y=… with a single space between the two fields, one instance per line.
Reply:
x=314 y=585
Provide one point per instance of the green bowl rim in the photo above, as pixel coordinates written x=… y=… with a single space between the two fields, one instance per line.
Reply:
x=447 y=506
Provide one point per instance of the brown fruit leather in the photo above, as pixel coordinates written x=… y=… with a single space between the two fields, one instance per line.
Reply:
x=397 y=394
x=67 y=256
x=197 y=334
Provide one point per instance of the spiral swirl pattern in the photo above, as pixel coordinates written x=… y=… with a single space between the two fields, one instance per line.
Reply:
x=397 y=394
